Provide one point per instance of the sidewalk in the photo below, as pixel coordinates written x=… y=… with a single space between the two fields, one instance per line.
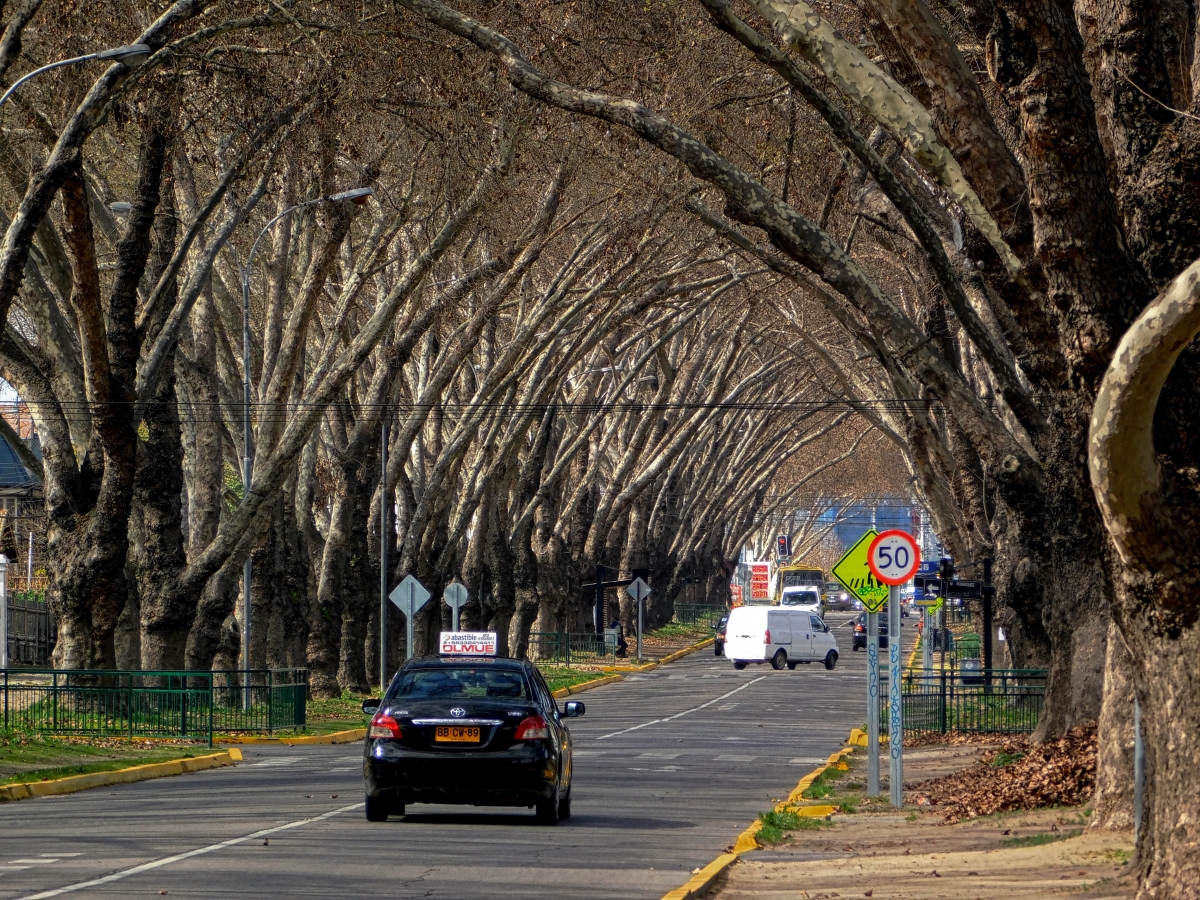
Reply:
x=888 y=854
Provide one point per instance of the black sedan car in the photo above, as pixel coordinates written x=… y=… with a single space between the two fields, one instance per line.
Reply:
x=719 y=636
x=859 y=641
x=481 y=731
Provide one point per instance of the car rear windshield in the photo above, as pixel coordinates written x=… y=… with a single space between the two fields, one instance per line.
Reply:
x=465 y=682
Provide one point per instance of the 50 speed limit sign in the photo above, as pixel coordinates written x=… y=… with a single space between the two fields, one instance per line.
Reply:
x=894 y=557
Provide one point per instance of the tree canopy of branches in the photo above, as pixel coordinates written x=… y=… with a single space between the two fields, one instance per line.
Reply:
x=633 y=278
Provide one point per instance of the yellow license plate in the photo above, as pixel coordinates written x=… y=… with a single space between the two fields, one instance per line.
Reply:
x=456 y=734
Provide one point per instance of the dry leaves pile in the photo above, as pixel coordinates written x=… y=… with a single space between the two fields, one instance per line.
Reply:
x=1056 y=773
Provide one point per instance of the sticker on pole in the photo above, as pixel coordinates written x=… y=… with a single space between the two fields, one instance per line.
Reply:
x=467 y=643
x=855 y=574
x=894 y=557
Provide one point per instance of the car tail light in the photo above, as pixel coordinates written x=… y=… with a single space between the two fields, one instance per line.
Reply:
x=532 y=728
x=767 y=637
x=384 y=727
x=859 y=628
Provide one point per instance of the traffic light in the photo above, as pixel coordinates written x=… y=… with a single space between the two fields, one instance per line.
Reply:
x=946 y=569
x=783 y=545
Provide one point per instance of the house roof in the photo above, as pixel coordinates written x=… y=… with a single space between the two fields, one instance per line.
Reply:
x=14 y=475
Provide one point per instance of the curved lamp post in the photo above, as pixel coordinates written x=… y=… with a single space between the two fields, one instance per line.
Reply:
x=132 y=55
x=355 y=195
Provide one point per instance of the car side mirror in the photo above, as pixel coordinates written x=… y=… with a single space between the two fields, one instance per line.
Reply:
x=574 y=709
x=370 y=707
x=827 y=629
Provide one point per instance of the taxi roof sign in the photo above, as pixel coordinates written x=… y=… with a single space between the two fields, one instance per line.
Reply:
x=467 y=643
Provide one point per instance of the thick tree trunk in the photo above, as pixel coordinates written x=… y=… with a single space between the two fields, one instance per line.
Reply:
x=156 y=536
x=1113 y=804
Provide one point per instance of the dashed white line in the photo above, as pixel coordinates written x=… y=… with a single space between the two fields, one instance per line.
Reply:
x=166 y=861
x=685 y=712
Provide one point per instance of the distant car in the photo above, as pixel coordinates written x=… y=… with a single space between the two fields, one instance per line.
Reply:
x=719 y=636
x=482 y=731
x=859 y=640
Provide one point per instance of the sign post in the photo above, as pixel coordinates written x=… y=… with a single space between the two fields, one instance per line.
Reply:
x=455 y=596
x=409 y=595
x=854 y=572
x=894 y=558
x=639 y=591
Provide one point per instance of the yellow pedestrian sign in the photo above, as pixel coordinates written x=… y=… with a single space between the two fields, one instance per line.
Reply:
x=854 y=572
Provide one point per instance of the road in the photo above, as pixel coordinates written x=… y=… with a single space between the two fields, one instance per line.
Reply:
x=670 y=766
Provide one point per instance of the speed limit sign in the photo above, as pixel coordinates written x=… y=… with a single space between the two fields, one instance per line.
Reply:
x=894 y=557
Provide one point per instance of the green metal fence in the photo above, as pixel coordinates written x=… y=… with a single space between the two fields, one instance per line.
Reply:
x=273 y=700
x=138 y=704
x=1004 y=701
x=699 y=614
x=578 y=648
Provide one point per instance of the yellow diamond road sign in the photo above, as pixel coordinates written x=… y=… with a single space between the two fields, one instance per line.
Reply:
x=853 y=571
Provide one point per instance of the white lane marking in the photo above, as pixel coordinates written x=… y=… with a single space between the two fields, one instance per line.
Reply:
x=685 y=712
x=60 y=855
x=587 y=752
x=166 y=861
x=658 y=754
x=733 y=757
x=669 y=769
x=31 y=862
x=277 y=761
x=726 y=706
x=346 y=769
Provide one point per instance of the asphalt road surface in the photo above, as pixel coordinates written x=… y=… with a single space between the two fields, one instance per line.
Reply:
x=670 y=766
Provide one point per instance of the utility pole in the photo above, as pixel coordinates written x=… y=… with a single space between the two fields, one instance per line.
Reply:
x=384 y=522
x=987 y=621
x=599 y=611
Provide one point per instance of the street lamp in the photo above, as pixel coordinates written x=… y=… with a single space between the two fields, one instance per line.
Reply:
x=132 y=55
x=358 y=196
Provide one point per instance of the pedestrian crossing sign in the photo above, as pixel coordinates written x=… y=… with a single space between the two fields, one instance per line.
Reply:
x=853 y=571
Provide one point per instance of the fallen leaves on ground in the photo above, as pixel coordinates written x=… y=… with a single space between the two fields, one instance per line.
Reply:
x=1056 y=773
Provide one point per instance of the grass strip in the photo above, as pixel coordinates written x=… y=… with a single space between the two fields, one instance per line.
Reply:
x=1043 y=837
x=776 y=824
x=40 y=759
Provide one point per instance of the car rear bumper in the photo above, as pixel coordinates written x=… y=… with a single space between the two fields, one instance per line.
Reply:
x=516 y=777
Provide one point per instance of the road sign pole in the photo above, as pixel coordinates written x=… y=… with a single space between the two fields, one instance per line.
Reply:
x=872 y=704
x=408 y=623
x=895 y=704
x=641 y=603
x=409 y=595
x=926 y=641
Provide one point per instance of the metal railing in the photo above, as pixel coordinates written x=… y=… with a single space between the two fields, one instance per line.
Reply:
x=1001 y=701
x=579 y=648
x=136 y=704
x=31 y=629
x=274 y=700
x=707 y=615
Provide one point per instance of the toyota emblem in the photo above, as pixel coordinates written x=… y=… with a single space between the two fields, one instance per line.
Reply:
x=458 y=712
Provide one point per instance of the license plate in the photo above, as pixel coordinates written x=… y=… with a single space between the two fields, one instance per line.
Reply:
x=456 y=734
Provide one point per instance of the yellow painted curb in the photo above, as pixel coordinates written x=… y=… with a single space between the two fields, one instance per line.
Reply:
x=616 y=676
x=858 y=738
x=746 y=841
x=701 y=881
x=586 y=686
x=678 y=654
x=73 y=783
x=334 y=737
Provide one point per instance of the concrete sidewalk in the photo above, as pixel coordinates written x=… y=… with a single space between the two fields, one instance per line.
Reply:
x=888 y=854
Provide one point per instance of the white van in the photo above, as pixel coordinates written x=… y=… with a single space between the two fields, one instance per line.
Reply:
x=782 y=636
